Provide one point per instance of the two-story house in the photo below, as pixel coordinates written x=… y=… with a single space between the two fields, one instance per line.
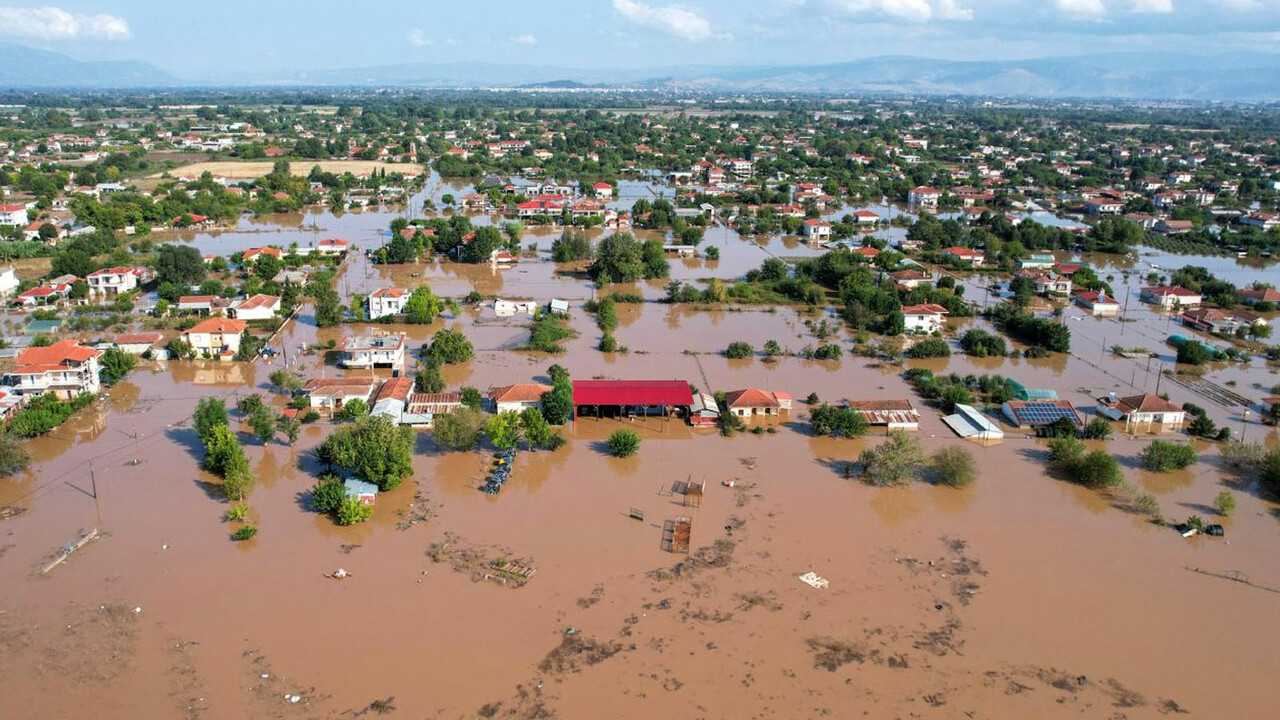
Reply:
x=216 y=337
x=387 y=301
x=65 y=368
x=370 y=351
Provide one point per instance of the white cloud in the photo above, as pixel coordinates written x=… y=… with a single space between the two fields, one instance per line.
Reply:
x=417 y=38
x=1081 y=8
x=1151 y=6
x=913 y=10
x=672 y=19
x=54 y=23
x=526 y=40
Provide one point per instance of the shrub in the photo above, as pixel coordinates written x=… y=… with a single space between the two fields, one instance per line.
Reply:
x=1202 y=426
x=1147 y=504
x=1225 y=503
x=608 y=343
x=116 y=363
x=1239 y=455
x=13 y=458
x=930 y=347
x=623 y=443
x=772 y=348
x=1098 y=428
x=896 y=461
x=546 y=334
x=1098 y=469
x=460 y=429
x=352 y=511
x=449 y=347
x=244 y=533
x=811 y=399
x=739 y=349
x=980 y=343
x=352 y=410
x=237 y=512
x=1194 y=353
x=838 y=422
x=954 y=466
x=1162 y=456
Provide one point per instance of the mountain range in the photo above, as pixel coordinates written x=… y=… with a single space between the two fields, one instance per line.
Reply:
x=1145 y=76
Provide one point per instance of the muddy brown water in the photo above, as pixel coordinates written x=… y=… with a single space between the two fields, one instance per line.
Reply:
x=1021 y=596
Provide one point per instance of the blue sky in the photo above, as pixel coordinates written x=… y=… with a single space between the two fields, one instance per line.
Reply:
x=229 y=37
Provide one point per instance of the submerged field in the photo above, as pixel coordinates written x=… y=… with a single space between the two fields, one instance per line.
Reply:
x=1021 y=596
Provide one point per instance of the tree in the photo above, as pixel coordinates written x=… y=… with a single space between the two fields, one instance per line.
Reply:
x=557 y=403
x=80 y=290
x=287 y=382
x=954 y=466
x=222 y=451
x=116 y=363
x=422 y=307
x=263 y=422
x=481 y=247
x=772 y=348
x=180 y=264
x=896 y=461
x=249 y=404
x=471 y=398
x=290 y=426
x=429 y=380
x=13 y=458
x=504 y=430
x=623 y=443
x=328 y=494
x=373 y=449
x=1162 y=456
x=571 y=246
x=328 y=307
x=210 y=413
x=1202 y=426
x=537 y=431
x=1194 y=353
x=267 y=266
x=449 y=347
x=73 y=262
x=1099 y=428
x=353 y=410
x=460 y=429
x=621 y=258
x=739 y=349
x=238 y=482
x=841 y=422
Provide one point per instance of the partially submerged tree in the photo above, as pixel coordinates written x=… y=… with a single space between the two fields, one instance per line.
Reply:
x=896 y=461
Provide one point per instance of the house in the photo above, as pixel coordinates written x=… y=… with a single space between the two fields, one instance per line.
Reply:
x=891 y=414
x=10 y=404
x=215 y=337
x=332 y=246
x=753 y=401
x=1174 y=227
x=1266 y=221
x=969 y=423
x=1038 y=414
x=925 y=198
x=1103 y=206
x=371 y=351
x=909 y=279
x=422 y=409
x=964 y=256
x=113 y=281
x=628 y=398
x=602 y=190
x=8 y=281
x=817 y=230
x=704 y=411
x=391 y=398
x=329 y=395
x=927 y=318
x=138 y=343
x=252 y=254
x=1210 y=320
x=66 y=368
x=1037 y=261
x=365 y=492
x=37 y=296
x=866 y=217
x=1047 y=282
x=387 y=301
x=13 y=215
x=558 y=307
x=515 y=398
x=1097 y=303
x=1170 y=297
x=1148 y=411
x=206 y=304
x=254 y=307
x=1255 y=295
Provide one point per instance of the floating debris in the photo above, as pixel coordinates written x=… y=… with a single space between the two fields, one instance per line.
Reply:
x=814 y=580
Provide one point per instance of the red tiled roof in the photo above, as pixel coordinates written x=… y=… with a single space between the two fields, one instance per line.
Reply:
x=632 y=392
x=218 y=325
x=750 y=398
x=1147 y=403
x=528 y=392
x=924 y=309
x=60 y=353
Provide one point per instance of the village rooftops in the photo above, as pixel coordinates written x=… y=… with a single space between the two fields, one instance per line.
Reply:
x=924 y=309
x=521 y=393
x=66 y=353
x=1174 y=290
x=1147 y=403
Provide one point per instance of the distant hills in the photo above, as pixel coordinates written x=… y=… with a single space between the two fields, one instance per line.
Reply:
x=23 y=68
x=1145 y=76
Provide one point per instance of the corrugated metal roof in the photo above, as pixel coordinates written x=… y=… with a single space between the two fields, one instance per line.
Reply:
x=632 y=392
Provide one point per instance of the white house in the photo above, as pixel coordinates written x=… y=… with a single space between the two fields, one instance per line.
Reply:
x=370 y=351
x=1169 y=297
x=926 y=198
x=13 y=215
x=254 y=307
x=65 y=368
x=329 y=395
x=387 y=301
x=8 y=281
x=602 y=190
x=1150 y=412
x=1097 y=303
x=515 y=398
x=112 y=281
x=216 y=337
x=817 y=230
x=926 y=318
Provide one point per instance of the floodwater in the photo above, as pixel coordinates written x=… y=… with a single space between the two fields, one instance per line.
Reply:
x=1021 y=596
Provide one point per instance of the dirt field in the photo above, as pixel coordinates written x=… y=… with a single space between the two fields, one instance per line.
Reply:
x=258 y=168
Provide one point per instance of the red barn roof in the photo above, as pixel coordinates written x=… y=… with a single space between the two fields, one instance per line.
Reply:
x=632 y=392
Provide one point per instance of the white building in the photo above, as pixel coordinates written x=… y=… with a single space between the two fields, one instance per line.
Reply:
x=112 y=281
x=817 y=230
x=927 y=318
x=925 y=198
x=370 y=351
x=254 y=307
x=216 y=337
x=515 y=398
x=13 y=215
x=387 y=301
x=8 y=281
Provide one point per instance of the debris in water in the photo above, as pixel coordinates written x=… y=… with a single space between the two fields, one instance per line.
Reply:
x=340 y=574
x=814 y=580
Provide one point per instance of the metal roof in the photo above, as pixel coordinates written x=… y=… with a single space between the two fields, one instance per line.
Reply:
x=632 y=392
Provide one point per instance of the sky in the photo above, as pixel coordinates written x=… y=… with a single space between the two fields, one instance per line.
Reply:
x=226 y=39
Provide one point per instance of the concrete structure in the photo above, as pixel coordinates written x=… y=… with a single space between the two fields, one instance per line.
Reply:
x=753 y=401
x=926 y=198
x=254 y=307
x=8 y=282
x=926 y=318
x=113 y=281
x=1170 y=297
x=1097 y=303
x=138 y=343
x=1148 y=412
x=370 y=351
x=817 y=230
x=329 y=395
x=515 y=398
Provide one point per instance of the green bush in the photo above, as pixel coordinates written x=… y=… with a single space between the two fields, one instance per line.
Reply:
x=1225 y=503
x=328 y=494
x=930 y=347
x=244 y=533
x=352 y=511
x=896 y=461
x=954 y=466
x=237 y=513
x=623 y=443
x=13 y=458
x=841 y=422
x=980 y=343
x=1162 y=456
x=739 y=349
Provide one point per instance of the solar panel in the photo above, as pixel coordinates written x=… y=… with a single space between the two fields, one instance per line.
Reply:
x=1036 y=414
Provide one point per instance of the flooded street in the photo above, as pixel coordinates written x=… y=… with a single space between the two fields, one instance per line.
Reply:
x=1021 y=596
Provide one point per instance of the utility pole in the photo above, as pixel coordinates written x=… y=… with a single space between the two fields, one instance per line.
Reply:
x=93 y=480
x=1125 y=312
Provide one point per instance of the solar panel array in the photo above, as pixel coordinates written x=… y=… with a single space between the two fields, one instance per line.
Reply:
x=1044 y=414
